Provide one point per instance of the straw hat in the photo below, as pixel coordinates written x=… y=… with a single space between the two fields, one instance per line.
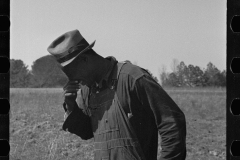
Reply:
x=68 y=46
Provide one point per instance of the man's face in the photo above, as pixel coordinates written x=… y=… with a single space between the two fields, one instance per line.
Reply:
x=80 y=69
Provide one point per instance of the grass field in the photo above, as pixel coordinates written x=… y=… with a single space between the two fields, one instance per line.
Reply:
x=37 y=115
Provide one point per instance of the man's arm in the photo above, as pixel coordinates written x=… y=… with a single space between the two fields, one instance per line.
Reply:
x=170 y=120
x=76 y=122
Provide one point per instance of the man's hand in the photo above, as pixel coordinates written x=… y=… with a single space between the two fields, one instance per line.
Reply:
x=71 y=87
x=70 y=94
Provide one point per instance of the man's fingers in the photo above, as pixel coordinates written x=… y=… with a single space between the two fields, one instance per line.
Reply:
x=71 y=83
x=70 y=94
x=72 y=87
x=71 y=90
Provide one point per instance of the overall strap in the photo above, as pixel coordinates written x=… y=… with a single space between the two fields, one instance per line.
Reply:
x=115 y=76
x=120 y=65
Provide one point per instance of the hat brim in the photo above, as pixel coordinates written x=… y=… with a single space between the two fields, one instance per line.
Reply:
x=87 y=48
x=84 y=50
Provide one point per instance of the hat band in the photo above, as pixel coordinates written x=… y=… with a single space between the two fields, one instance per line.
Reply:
x=74 y=51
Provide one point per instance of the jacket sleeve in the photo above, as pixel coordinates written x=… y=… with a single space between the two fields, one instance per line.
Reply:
x=77 y=121
x=170 y=120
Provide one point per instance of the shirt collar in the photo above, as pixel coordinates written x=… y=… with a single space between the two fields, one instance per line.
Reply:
x=105 y=78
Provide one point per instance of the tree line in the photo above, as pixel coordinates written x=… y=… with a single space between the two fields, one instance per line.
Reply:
x=193 y=76
x=45 y=72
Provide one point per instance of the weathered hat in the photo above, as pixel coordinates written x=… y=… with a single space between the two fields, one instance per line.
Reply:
x=68 y=46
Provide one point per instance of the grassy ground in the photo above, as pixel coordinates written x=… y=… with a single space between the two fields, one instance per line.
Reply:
x=37 y=116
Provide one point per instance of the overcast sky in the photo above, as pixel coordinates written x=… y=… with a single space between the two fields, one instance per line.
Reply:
x=150 y=33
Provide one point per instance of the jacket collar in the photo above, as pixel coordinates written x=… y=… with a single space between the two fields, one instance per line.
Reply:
x=106 y=77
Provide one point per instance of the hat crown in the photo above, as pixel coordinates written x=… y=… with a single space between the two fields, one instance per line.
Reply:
x=59 y=47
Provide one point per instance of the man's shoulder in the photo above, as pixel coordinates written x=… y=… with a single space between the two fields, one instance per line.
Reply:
x=132 y=71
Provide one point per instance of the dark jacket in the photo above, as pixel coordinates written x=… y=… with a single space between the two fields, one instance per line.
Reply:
x=150 y=111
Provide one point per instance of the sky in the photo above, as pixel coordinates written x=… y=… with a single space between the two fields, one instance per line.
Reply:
x=149 y=33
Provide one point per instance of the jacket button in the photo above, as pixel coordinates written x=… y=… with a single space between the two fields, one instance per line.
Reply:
x=106 y=120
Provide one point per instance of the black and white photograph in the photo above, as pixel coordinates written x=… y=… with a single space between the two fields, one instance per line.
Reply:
x=117 y=80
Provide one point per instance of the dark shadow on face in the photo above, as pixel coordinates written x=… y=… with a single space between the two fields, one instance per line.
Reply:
x=83 y=68
x=76 y=70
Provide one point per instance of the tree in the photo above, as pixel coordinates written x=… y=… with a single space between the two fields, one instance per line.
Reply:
x=19 y=74
x=175 y=64
x=155 y=78
x=163 y=76
x=220 y=79
x=182 y=74
x=173 y=80
x=223 y=78
x=195 y=76
x=46 y=72
x=211 y=75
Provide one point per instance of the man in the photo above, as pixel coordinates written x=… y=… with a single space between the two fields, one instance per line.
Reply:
x=120 y=105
